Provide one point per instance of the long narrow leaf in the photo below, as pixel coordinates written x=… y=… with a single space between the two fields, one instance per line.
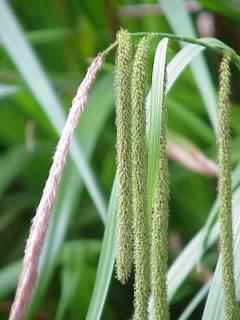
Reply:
x=175 y=67
x=155 y=117
x=11 y=164
x=106 y=261
x=181 y=24
x=195 y=302
x=7 y=90
x=26 y=61
x=8 y=278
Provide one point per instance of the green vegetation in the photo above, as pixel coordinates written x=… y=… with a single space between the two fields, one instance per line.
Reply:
x=46 y=47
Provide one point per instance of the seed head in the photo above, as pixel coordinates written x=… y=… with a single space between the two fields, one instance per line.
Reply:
x=139 y=180
x=124 y=168
x=159 y=229
x=225 y=191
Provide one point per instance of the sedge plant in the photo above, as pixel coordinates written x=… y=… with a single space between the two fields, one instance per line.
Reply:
x=142 y=240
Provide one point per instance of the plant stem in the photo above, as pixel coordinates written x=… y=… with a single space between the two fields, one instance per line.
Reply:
x=215 y=44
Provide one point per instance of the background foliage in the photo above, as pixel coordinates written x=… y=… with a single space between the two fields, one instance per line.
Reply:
x=36 y=88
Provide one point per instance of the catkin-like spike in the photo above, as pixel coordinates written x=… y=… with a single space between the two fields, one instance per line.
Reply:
x=159 y=232
x=139 y=176
x=225 y=192
x=124 y=258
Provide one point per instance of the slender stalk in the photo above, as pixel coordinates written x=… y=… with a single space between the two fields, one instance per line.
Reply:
x=41 y=219
x=159 y=225
x=124 y=257
x=110 y=48
x=214 y=45
x=225 y=192
x=139 y=164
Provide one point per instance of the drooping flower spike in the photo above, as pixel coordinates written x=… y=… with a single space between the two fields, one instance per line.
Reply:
x=225 y=191
x=139 y=182
x=124 y=257
x=159 y=228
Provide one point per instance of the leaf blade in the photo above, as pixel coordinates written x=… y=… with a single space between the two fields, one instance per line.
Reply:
x=27 y=63
x=182 y=24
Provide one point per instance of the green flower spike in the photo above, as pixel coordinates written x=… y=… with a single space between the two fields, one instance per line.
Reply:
x=159 y=232
x=139 y=182
x=124 y=258
x=225 y=192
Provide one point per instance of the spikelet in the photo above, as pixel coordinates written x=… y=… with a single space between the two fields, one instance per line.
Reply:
x=225 y=192
x=123 y=122
x=159 y=230
x=139 y=174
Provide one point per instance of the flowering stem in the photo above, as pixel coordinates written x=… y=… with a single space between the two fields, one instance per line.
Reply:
x=159 y=232
x=139 y=181
x=225 y=191
x=124 y=257
x=41 y=219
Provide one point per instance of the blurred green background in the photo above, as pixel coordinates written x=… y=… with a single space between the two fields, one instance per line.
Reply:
x=64 y=37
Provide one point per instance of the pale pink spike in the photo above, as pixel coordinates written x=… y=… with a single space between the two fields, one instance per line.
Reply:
x=41 y=220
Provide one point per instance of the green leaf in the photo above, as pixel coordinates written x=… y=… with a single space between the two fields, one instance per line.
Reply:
x=28 y=65
x=176 y=66
x=75 y=257
x=189 y=257
x=106 y=261
x=190 y=121
x=7 y=90
x=155 y=118
x=42 y=37
x=12 y=164
x=8 y=278
x=181 y=24
x=180 y=61
x=215 y=43
x=195 y=302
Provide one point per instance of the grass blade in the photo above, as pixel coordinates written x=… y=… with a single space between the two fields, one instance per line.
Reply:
x=7 y=90
x=8 y=278
x=176 y=66
x=27 y=63
x=11 y=164
x=155 y=117
x=181 y=60
x=181 y=23
x=195 y=302
x=106 y=261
